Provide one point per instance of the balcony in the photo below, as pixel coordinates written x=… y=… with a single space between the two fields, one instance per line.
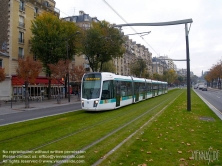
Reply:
x=44 y=4
x=22 y=8
x=22 y=24
x=20 y=56
x=36 y=14
x=21 y=40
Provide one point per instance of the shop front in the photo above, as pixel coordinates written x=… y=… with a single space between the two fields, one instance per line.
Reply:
x=38 y=90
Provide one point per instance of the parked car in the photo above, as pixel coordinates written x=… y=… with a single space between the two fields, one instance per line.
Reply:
x=204 y=88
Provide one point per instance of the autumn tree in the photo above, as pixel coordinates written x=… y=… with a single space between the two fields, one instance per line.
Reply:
x=77 y=73
x=53 y=40
x=2 y=74
x=170 y=76
x=28 y=70
x=101 y=43
x=215 y=74
x=59 y=71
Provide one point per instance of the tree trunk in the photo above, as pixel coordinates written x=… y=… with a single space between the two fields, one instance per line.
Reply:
x=66 y=86
x=26 y=95
x=49 y=89
x=58 y=95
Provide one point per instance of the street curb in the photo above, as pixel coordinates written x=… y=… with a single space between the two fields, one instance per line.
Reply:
x=215 y=110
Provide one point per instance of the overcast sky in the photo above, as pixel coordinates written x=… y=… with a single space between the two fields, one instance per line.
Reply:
x=205 y=36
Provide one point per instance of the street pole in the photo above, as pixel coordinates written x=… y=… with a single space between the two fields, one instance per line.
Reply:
x=68 y=72
x=188 y=70
x=67 y=51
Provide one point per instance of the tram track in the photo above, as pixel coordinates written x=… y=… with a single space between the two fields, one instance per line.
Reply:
x=118 y=129
x=102 y=122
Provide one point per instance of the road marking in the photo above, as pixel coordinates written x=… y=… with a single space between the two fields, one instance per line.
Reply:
x=218 y=97
x=1 y=119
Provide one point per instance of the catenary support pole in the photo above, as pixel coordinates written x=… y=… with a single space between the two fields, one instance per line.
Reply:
x=188 y=70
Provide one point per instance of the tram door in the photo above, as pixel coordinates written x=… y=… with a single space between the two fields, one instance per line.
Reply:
x=136 y=89
x=117 y=93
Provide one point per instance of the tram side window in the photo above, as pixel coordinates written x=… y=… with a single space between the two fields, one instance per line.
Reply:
x=129 y=88
x=107 y=90
x=148 y=87
x=142 y=87
x=155 y=87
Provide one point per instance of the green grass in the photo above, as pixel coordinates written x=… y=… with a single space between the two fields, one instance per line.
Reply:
x=173 y=136
x=77 y=130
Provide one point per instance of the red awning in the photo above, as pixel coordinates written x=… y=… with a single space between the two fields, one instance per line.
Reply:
x=39 y=80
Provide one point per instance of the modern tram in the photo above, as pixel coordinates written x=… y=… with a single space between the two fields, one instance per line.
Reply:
x=106 y=91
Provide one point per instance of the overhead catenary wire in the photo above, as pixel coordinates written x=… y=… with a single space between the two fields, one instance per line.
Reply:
x=130 y=26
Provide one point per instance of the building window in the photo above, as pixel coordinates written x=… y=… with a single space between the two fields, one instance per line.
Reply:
x=21 y=22
x=86 y=17
x=21 y=53
x=22 y=5
x=74 y=19
x=21 y=37
x=1 y=63
x=36 y=11
x=46 y=4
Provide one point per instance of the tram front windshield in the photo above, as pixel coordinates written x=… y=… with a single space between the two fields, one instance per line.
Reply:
x=91 y=86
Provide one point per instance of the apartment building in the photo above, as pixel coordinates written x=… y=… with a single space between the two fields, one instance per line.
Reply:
x=122 y=64
x=169 y=62
x=15 y=33
x=84 y=21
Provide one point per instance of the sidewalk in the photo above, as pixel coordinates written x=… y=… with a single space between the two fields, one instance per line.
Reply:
x=7 y=108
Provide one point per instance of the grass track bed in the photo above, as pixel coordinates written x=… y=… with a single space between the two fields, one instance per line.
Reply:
x=173 y=137
x=86 y=128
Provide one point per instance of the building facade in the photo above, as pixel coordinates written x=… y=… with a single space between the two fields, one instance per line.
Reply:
x=15 y=33
x=122 y=64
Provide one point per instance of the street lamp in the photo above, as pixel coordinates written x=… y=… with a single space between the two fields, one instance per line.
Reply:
x=67 y=39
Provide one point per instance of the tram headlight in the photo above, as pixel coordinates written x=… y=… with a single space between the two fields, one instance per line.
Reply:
x=95 y=103
x=82 y=103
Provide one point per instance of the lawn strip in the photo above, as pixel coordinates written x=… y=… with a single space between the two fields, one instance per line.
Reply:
x=100 y=149
x=77 y=141
x=174 y=137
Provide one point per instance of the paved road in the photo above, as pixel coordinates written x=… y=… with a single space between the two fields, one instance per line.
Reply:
x=38 y=112
x=213 y=96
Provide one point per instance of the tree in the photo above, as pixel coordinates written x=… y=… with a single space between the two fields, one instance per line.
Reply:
x=109 y=67
x=138 y=68
x=2 y=74
x=102 y=43
x=170 y=76
x=77 y=73
x=50 y=41
x=157 y=76
x=28 y=70
x=59 y=71
x=215 y=74
x=194 y=79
